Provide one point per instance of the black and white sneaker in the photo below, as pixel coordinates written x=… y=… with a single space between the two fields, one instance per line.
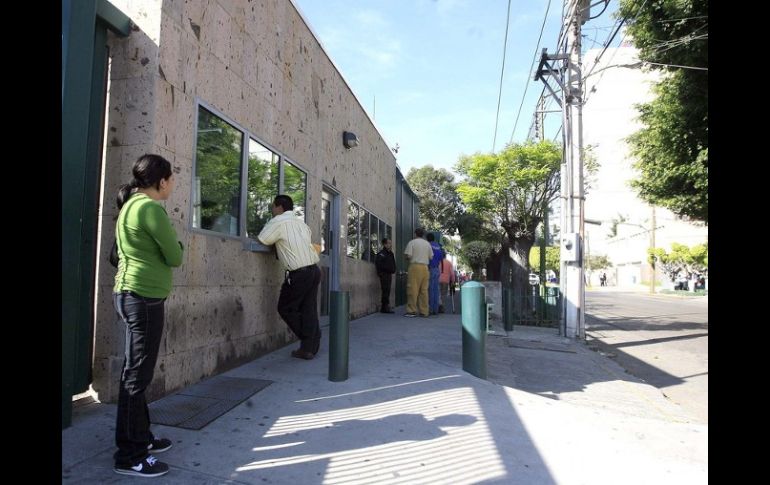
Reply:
x=148 y=467
x=159 y=445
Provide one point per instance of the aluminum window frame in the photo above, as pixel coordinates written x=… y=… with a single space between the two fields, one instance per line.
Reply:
x=249 y=243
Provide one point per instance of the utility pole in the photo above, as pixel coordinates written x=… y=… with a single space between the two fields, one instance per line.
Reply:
x=652 y=246
x=569 y=79
x=540 y=134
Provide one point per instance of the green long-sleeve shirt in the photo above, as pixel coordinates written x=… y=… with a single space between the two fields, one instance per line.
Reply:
x=147 y=246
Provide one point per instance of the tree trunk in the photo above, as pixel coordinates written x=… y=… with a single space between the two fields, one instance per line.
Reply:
x=522 y=290
x=497 y=265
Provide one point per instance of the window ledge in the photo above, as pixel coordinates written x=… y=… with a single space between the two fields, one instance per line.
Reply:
x=255 y=246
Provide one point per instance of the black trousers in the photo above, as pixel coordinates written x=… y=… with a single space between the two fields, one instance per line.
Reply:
x=385 y=281
x=143 y=318
x=297 y=305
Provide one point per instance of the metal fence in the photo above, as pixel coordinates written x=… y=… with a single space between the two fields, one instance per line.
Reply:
x=542 y=307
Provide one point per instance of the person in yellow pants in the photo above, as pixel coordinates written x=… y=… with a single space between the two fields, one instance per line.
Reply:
x=418 y=252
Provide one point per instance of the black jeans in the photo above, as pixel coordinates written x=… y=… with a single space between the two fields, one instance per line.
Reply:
x=385 y=281
x=143 y=318
x=297 y=305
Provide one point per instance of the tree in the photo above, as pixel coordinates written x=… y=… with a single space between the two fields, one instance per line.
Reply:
x=475 y=255
x=508 y=190
x=672 y=147
x=681 y=258
x=599 y=261
x=440 y=206
x=552 y=255
x=218 y=171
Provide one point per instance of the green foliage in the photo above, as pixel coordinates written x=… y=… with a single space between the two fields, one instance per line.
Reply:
x=262 y=189
x=474 y=254
x=552 y=254
x=509 y=188
x=218 y=164
x=672 y=147
x=681 y=258
x=295 y=186
x=440 y=206
x=599 y=261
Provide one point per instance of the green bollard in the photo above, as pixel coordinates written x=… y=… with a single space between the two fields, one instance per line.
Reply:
x=339 y=335
x=508 y=309
x=474 y=320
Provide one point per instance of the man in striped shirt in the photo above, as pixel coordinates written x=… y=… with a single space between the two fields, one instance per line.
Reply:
x=297 y=303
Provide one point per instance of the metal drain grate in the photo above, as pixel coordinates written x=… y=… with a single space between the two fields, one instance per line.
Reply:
x=196 y=406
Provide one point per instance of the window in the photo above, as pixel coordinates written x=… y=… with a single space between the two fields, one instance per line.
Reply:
x=326 y=217
x=295 y=186
x=374 y=239
x=216 y=205
x=353 y=230
x=232 y=165
x=365 y=231
x=363 y=224
x=262 y=187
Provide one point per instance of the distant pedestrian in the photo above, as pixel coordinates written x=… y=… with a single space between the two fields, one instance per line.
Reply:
x=385 y=264
x=434 y=272
x=446 y=281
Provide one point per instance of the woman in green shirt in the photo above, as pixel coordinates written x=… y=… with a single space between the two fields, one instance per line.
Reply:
x=148 y=248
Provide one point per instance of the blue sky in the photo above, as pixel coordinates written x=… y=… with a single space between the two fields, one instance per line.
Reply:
x=433 y=67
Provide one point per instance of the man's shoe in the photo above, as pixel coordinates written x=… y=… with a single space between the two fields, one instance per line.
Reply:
x=302 y=354
x=148 y=467
x=159 y=445
x=410 y=314
x=441 y=308
x=386 y=309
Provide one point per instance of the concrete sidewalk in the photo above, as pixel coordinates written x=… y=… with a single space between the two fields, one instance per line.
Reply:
x=551 y=411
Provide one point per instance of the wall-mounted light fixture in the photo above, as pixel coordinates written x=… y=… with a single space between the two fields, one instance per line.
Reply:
x=349 y=139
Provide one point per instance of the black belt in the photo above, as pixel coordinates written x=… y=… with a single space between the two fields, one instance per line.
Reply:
x=304 y=268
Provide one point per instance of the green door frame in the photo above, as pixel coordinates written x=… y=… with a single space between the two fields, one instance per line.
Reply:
x=84 y=57
x=407 y=208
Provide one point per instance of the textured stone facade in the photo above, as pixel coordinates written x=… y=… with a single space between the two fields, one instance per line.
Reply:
x=258 y=64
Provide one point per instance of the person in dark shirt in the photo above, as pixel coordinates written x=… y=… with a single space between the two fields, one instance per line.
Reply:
x=385 y=263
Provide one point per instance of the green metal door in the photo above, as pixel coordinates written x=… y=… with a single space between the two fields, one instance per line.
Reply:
x=84 y=65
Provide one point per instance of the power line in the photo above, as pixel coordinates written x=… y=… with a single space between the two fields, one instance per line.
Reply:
x=534 y=58
x=675 y=65
x=596 y=61
x=684 y=18
x=606 y=4
x=502 y=71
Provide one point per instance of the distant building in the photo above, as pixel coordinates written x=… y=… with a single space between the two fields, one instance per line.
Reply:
x=609 y=116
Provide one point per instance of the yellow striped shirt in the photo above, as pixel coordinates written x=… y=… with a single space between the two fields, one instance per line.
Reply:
x=291 y=237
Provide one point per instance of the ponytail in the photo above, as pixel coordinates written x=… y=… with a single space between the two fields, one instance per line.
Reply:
x=124 y=192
